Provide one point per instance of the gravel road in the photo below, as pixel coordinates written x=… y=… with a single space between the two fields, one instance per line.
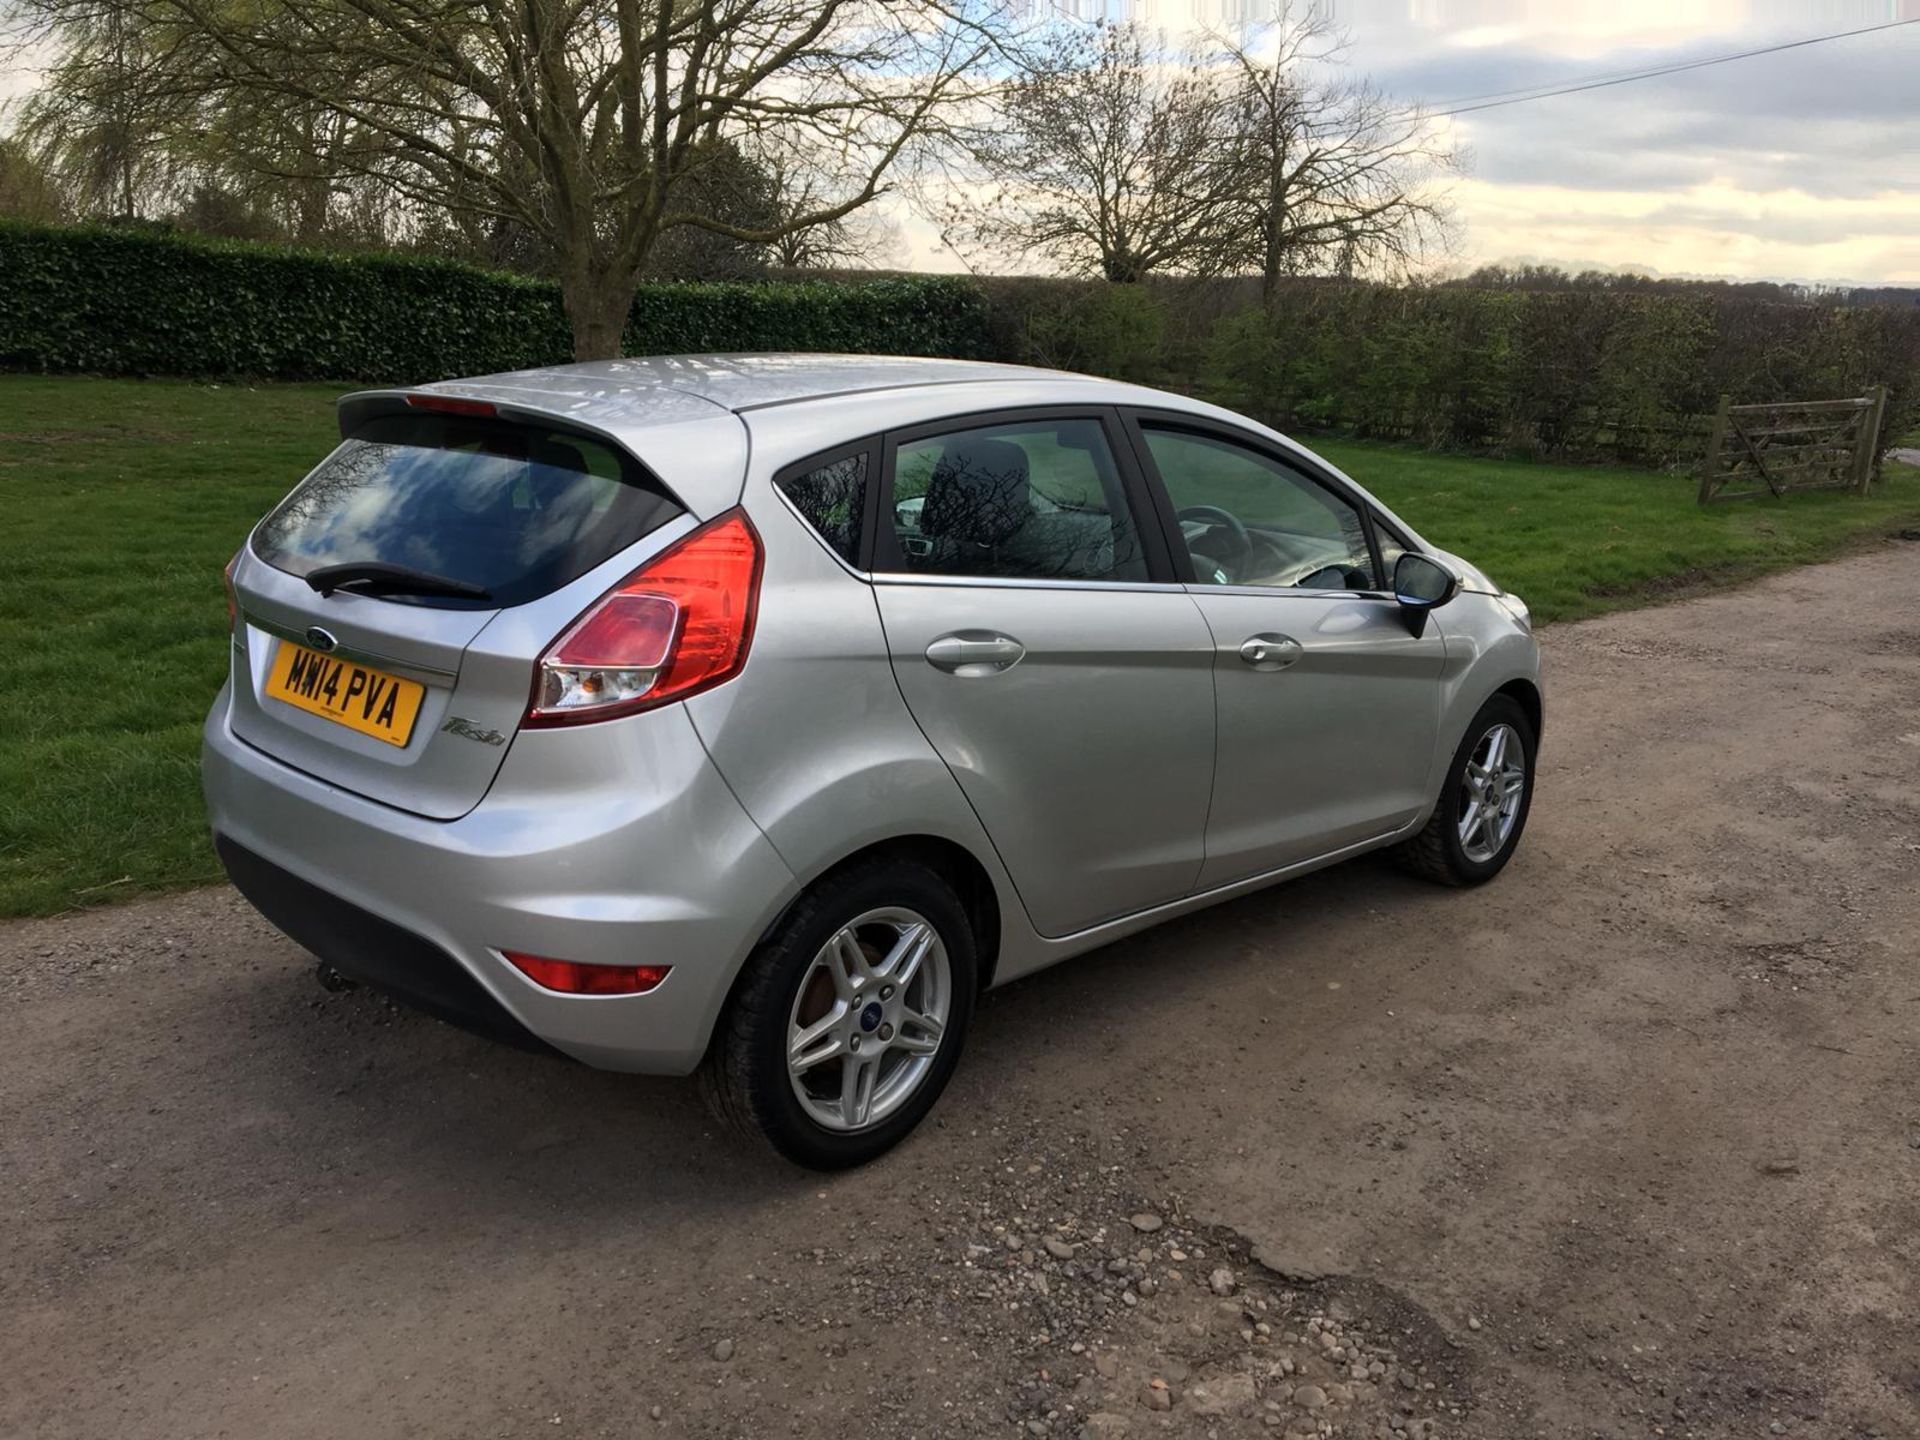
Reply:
x=1626 y=1144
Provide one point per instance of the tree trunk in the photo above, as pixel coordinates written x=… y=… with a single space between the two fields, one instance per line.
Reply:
x=597 y=304
x=310 y=196
x=1277 y=146
x=1275 y=242
x=312 y=190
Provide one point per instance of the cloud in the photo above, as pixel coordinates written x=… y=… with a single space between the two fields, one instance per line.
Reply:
x=1796 y=164
x=1837 y=132
x=1708 y=230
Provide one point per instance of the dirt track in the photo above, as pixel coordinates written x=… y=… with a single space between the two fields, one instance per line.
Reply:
x=1626 y=1144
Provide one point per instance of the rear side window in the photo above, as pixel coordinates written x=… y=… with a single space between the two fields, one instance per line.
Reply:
x=517 y=510
x=833 y=497
x=1041 y=500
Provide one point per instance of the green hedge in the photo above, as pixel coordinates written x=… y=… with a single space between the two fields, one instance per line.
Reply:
x=1627 y=376
x=123 y=302
x=1620 y=376
x=1590 y=375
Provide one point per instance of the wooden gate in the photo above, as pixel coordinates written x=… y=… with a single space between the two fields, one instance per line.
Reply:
x=1792 y=445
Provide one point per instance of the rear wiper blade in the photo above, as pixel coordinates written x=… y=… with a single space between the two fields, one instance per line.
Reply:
x=377 y=577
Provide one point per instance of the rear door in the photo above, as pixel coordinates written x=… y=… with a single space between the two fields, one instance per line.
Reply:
x=1069 y=693
x=1327 y=704
x=371 y=599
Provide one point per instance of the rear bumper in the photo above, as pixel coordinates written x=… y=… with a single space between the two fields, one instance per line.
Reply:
x=362 y=946
x=610 y=844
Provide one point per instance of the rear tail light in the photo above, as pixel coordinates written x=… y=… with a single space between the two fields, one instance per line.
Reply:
x=233 y=601
x=571 y=977
x=678 y=625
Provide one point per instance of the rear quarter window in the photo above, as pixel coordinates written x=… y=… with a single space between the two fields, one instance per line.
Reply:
x=517 y=510
x=833 y=499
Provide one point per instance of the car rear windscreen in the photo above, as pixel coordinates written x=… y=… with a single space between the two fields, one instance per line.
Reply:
x=516 y=510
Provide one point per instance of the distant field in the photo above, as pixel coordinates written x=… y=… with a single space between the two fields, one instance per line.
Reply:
x=123 y=499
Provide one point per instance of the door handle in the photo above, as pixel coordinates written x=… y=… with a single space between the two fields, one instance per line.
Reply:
x=975 y=652
x=1270 y=652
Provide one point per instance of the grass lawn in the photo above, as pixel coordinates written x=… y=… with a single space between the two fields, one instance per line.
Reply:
x=123 y=500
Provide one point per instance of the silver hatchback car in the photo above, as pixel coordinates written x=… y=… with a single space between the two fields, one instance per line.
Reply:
x=753 y=713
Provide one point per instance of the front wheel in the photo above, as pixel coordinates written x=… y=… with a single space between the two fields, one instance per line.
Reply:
x=1483 y=802
x=849 y=1020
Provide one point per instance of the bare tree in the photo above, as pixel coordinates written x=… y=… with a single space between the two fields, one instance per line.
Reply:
x=801 y=185
x=1331 y=176
x=1105 y=156
x=730 y=186
x=298 y=163
x=584 y=123
x=1110 y=155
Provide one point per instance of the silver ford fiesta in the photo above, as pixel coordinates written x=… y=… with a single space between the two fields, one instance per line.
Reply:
x=750 y=714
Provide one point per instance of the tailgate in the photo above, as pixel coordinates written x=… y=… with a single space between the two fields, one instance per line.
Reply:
x=391 y=611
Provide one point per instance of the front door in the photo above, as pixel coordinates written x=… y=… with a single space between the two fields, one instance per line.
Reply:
x=1327 y=704
x=1071 y=697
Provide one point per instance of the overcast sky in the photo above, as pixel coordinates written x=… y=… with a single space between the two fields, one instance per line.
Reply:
x=1803 y=165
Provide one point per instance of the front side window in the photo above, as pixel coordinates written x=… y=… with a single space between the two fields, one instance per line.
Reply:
x=1039 y=500
x=1249 y=519
x=513 y=511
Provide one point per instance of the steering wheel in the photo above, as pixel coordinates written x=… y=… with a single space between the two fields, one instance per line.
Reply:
x=1228 y=521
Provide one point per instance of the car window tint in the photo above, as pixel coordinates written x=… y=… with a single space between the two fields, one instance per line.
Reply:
x=1040 y=501
x=516 y=509
x=833 y=497
x=1249 y=519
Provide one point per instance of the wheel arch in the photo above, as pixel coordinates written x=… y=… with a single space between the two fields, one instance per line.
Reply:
x=1527 y=695
x=950 y=860
x=961 y=869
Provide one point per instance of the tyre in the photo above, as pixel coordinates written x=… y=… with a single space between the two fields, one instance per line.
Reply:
x=1483 y=803
x=848 y=1021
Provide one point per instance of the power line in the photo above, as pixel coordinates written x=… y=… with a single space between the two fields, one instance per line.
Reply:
x=1530 y=92
x=1499 y=98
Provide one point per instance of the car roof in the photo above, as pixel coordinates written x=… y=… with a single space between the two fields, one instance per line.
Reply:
x=606 y=391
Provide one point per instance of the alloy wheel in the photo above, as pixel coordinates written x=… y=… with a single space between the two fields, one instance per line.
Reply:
x=1492 y=787
x=867 y=1019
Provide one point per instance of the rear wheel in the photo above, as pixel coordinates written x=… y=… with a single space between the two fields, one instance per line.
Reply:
x=1483 y=802
x=849 y=1020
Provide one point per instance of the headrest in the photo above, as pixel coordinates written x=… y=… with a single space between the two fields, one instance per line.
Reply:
x=558 y=455
x=978 y=492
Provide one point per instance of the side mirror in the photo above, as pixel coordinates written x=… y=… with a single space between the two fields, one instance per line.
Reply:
x=1421 y=583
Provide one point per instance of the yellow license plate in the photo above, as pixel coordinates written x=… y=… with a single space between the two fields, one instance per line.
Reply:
x=357 y=696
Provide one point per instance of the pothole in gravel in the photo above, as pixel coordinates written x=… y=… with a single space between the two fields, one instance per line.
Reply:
x=1111 y=1316
x=1172 y=1327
